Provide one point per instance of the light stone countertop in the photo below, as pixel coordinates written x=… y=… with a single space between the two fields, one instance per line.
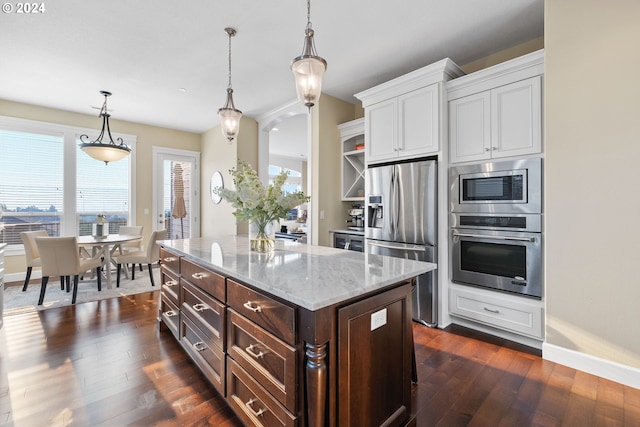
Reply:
x=312 y=277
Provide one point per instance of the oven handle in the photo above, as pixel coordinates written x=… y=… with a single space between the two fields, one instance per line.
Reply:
x=483 y=236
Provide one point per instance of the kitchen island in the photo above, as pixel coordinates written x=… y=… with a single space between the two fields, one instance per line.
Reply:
x=302 y=336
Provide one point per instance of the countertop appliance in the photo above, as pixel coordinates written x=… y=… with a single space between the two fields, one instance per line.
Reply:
x=496 y=225
x=356 y=217
x=400 y=221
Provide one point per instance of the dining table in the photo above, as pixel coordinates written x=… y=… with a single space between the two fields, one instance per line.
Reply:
x=106 y=247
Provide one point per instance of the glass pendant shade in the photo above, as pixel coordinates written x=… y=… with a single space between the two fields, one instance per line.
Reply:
x=230 y=118
x=308 y=74
x=229 y=115
x=105 y=151
x=308 y=68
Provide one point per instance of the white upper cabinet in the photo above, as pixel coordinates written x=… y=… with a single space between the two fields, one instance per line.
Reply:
x=403 y=116
x=497 y=112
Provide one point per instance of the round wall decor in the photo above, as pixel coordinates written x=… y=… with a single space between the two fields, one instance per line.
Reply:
x=216 y=182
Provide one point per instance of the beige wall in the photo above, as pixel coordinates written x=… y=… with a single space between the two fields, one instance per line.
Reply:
x=504 y=55
x=218 y=155
x=147 y=137
x=592 y=175
x=326 y=157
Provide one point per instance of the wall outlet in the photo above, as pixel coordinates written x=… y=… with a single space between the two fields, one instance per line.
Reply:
x=146 y=211
x=321 y=214
x=378 y=319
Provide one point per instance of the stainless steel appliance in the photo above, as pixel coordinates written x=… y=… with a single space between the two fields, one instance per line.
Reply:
x=513 y=186
x=496 y=225
x=356 y=217
x=400 y=221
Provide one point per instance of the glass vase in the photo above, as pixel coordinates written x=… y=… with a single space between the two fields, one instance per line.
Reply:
x=262 y=235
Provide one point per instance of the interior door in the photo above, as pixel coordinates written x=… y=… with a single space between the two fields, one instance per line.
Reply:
x=177 y=192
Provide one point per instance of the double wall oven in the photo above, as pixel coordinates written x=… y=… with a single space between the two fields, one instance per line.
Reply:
x=496 y=225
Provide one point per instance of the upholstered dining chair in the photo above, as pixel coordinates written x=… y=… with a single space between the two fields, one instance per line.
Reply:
x=60 y=256
x=149 y=256
x=31 y=252
x=133 y=246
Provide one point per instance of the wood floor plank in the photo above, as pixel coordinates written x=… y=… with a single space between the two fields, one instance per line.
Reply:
x=106 y=364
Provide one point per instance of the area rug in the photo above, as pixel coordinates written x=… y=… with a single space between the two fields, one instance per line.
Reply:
x=17 y=302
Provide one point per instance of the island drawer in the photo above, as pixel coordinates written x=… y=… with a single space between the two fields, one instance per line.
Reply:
x=169 y=285
x=252 y=403
x=268 y=359
x=170 y=260
x=169 y=314
x=272 y=315
x=205 y=312
x=209 y=358
x=203 y=278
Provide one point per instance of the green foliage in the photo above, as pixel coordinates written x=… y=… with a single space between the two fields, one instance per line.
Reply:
x=255 y=202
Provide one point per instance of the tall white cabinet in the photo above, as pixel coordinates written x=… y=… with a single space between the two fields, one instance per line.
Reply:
x=403 y=116
x=497 y=112
x=352 y=165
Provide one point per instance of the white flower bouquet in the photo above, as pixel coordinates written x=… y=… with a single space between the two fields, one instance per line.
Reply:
x=259 y=204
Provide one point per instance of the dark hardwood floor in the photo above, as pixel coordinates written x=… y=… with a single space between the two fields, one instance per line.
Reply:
x=105 y=364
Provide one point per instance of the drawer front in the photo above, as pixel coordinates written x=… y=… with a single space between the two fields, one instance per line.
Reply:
x=252 y=403
x=170 y=315
x=498 y=312
x=268 y=359
x=210 y=282
x=274 y=316
x=204 y=311
x=170 y=260
x=170 y=285
x=209 y=358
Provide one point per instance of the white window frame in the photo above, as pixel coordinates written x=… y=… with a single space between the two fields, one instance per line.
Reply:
x=70 y=137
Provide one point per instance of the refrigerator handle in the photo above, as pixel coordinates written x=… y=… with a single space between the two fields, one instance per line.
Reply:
x=392 y=211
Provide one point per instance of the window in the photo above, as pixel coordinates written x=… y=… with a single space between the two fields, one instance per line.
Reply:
x=47 y=182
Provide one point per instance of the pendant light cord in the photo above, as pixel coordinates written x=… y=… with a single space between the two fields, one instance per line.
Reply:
x=229 y=33
x=308 y=14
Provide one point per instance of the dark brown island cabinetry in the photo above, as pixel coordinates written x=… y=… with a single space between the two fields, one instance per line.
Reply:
x=278 y=363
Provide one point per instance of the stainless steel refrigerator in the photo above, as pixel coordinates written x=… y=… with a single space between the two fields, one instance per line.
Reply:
x=400 y=221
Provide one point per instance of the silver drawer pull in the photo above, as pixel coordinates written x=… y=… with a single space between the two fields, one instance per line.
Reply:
x=255 y=413
x=198 y=276
x=200 y=346
x=491 y=310
x=171 y=282
x=255 y=308
x=170 y=259
x=252 y=352
x=171 y=313
x=200 y=307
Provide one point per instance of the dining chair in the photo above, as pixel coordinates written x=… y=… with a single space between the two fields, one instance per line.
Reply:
x=31 y=252
x=61 y=257
x=133 y=246
x=149 y=256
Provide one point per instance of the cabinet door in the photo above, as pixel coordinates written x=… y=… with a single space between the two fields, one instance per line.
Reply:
x=381 y=133
x=516 y=118
x=470 y=128
x=418 y=121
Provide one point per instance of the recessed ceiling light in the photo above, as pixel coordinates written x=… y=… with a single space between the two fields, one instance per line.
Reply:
x=183 y=89
x=275 y=129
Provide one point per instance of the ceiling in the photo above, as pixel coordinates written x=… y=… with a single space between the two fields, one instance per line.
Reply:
x=166 y=61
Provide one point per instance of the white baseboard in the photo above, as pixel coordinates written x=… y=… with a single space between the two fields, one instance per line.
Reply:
x=19 y=277
x=610 y=370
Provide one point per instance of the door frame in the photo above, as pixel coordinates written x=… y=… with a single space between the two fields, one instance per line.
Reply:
x=161 y=153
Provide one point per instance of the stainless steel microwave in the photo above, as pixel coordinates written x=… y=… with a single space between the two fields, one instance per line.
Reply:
x=505 y=187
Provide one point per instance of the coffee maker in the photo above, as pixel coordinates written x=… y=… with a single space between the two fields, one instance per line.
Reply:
x=356 y=217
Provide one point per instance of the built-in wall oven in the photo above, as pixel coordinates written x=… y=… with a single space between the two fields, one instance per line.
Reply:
x=496 y=225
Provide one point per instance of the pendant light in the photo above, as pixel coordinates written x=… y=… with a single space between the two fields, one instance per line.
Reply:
x=308 y=68
x=229 y=115
x=108 y=151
